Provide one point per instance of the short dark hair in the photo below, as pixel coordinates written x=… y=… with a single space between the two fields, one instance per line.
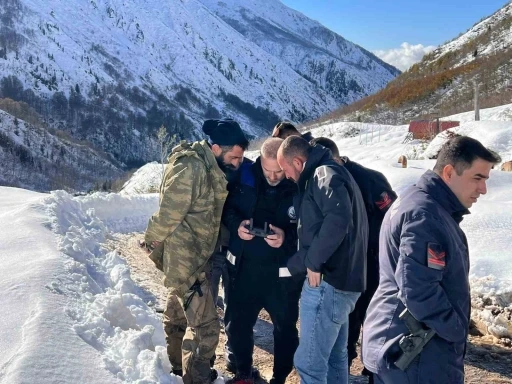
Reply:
x=327 y=143
x=228 y=148
x=295 y=146
x=284 y=129
x=461 y=151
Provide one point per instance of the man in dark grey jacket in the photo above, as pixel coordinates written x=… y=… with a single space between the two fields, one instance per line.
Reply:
x=333 y=238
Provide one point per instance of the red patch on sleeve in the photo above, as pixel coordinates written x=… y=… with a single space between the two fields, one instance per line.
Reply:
x=384 y=202
x=436 y=256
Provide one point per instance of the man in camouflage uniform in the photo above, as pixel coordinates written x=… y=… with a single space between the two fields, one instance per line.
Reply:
x=183 y=234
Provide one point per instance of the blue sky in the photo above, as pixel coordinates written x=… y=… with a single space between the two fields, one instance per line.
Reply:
x=383 y=26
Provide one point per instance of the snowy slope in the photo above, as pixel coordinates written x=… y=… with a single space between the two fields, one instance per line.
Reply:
x=496 y=135
x=318 y=54
x=71 y=312
x=37 y=159
x=33 y=316
x=146 y=179
x=162 y=48
x=500 y=113
x=443 y=82
x=499 y=39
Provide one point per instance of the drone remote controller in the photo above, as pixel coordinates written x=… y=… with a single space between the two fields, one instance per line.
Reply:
x=259 y=231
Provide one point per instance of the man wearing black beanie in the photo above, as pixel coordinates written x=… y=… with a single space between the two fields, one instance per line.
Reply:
x=183 y=234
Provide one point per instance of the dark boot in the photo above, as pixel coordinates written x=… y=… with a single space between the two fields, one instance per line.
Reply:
x=178 y=372
x=275 y=380
x=213 y=375
x=231 y=367
x=241 y=378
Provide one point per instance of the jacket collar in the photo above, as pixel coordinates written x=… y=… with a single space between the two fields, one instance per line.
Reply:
x=434 y=185
x=204 y=151
x=318 y=155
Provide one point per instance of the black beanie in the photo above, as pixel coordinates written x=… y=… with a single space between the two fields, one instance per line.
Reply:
x=225 y=132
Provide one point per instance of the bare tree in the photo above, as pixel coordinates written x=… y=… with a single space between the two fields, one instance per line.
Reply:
x=165 y=144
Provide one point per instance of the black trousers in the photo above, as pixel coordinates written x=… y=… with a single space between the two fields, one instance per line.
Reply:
x=256 y=288
x=219 y=269
x=356 y=318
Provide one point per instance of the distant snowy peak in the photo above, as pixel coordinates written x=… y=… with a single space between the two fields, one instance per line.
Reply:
x=489 y=36
x=104 y=69
x=345 y=70
x=262 y=51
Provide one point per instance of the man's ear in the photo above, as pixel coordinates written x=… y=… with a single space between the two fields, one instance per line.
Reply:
x=216 y=149
x=447 y=174
x=297 y=162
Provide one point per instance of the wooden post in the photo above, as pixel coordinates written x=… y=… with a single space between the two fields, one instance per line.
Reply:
x=477 y=105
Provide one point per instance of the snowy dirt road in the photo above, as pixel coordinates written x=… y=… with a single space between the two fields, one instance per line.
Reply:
x=487 y=360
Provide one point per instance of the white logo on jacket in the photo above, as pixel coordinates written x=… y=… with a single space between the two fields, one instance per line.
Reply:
x=291 y=213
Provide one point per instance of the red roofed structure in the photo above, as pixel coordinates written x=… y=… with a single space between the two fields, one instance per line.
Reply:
x=428 y=129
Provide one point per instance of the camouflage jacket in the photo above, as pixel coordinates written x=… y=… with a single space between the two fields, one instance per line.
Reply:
x=192 y=196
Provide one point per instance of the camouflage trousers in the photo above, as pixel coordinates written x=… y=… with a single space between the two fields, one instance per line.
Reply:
x=192 y=330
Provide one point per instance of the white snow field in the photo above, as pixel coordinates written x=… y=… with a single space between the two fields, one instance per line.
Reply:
x=70 y=310
x=145 y=180
x=72 y=314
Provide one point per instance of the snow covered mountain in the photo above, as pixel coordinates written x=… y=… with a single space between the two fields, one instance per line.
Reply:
x=443 y=82
x=111 y=72
x=489 y=36
x=35 y=158
x=319 y=55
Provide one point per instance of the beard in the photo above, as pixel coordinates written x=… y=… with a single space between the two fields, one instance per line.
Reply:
x=228 y=169
x=273 y=183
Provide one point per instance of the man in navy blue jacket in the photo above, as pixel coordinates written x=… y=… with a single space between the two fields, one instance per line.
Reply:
x=256 y=265
x=424 y=267
x=333 y=240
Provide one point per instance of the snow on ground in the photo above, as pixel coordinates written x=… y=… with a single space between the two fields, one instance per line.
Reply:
x=145 y=180
x=496 y=135
x=72 y=313
x=500 y=113
x=71 y=310
x=33 y=318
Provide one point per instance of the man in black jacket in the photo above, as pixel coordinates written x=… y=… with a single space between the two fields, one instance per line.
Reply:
x=378 y=197
x=257 y=265
x=333 y=239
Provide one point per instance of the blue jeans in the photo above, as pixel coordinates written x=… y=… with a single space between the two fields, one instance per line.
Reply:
x=322 y=357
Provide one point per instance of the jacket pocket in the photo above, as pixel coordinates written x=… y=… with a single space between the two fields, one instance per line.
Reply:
x=182 y=256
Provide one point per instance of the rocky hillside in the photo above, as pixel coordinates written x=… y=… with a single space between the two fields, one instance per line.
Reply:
x=111 y=72
x=444 y=81
x=39 y=159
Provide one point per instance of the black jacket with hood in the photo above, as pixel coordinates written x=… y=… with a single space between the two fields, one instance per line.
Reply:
x=378 y=196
